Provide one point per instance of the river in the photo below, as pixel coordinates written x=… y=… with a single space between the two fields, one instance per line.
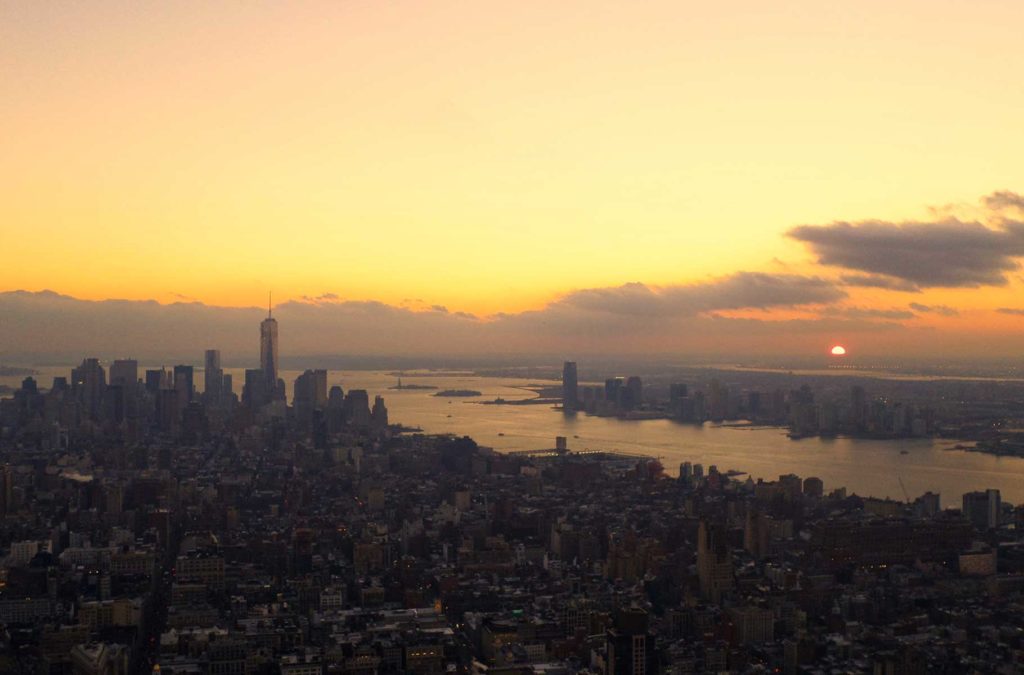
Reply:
x=866 y=467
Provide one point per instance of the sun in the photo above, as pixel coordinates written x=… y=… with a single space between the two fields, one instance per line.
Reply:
x=839 y=350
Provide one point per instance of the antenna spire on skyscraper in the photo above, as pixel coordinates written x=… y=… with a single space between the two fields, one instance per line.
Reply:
x=270 y=304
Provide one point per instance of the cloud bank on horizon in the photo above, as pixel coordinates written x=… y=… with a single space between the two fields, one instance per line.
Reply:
x=629 y=318
x=744 y=312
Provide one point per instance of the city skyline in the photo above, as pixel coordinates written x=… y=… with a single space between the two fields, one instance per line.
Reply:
x=320 y=152
x=532 y=338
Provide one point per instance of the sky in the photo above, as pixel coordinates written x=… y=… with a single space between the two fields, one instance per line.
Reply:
x=583 y=176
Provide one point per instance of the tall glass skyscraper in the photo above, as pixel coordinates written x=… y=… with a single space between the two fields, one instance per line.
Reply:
x=570 y=387
x=268 y=351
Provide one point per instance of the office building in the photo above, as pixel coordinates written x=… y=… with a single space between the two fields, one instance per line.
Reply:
x=124 y=372
x=269 y=353
x=309 y=394
x=213 y=377
x=357 y=408
x=89 y=381
x=184 y=383
x=714 y=563
x=982 y=508
x=570 y=387
x=611 y=388
x=379 y=413
x=635 y=386
x=630 y=644
x=254 y=389
x=156 y=380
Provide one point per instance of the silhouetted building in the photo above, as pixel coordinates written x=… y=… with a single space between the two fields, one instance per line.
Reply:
x=635 y=386
x=6 y=489
x=927 y=505
x=379 y=413
x=184 y=383
x=168 y=410
x=125 y=372
x=309 y=395
x=269 y=353
x=213 y=378
x=254 y=391
x=714 y=562
x=156 y=380
x=357 y=407
x=982 y=508
x=632 y=649
x=335 y=414
x=88 y=382
x=814 y=487
x=611 y=388
x=570 y=387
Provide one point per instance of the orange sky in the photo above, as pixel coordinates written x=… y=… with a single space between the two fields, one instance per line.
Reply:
x=490 y=156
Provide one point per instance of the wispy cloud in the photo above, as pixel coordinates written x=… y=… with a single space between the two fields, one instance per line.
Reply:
x=879 y=281
x=943 y=310
x=1004 y=199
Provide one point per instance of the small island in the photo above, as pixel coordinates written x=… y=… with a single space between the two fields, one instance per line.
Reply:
x=523 y=401
x=458 y=393
x=417 y=387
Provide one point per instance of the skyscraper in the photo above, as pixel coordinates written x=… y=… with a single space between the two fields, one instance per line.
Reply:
x=268 y=352
x=157 y=379
x=184 y=382
x=714 y=563
x=6 y=489
x=89 y=381
x=636 y=390
x=124 y=372
x=631 y=647
x=309 y=394
x=570 y=387
x=213 y=377
x=983 y=508
x=611 y=388
x=254 y=390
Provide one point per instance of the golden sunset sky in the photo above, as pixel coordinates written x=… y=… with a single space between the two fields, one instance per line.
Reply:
x=495 y=156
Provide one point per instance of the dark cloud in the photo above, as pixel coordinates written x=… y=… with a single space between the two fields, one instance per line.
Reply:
x=744 y=290
x=1004 y=199
x=943 y=310
x=673 y=320
x=878 y=281
x=873 y=313
x=439 y=308
x=950 y=253
x=1013 y=311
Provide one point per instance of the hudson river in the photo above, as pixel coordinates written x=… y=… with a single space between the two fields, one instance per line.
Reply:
x=866 y=467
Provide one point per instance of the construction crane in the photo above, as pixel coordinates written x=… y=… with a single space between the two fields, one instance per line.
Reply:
x=903 y=487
